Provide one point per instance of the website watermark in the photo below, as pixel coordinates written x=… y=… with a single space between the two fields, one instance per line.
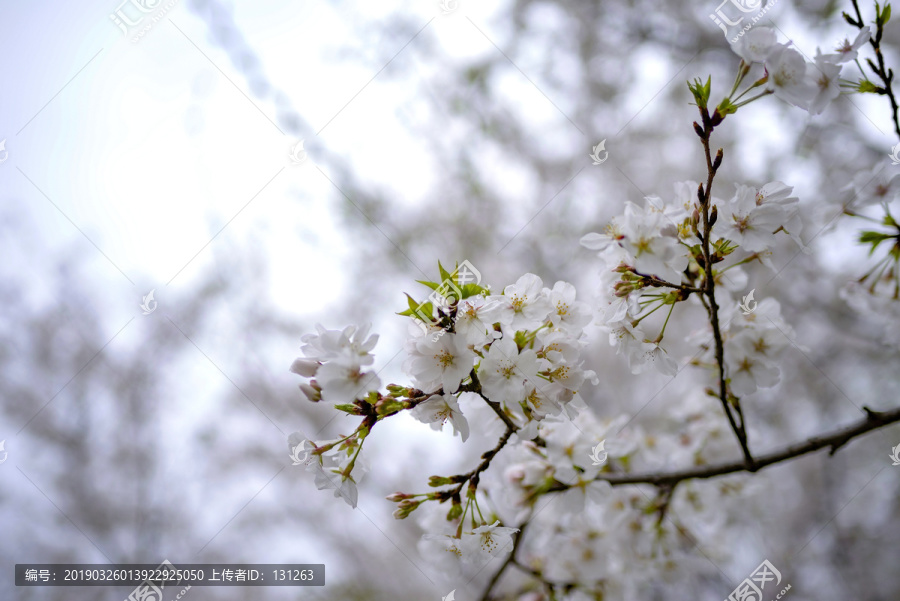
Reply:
x=730 y=15
x=135 y=18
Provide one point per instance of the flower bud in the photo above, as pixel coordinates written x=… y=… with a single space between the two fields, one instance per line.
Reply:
x=454 y=512
x=698 y=129
x=405 y=508
x=314 y=394
x=713 y=216
x=623 y=289
x=398 y=496
x=305 y=367
x=435 y=481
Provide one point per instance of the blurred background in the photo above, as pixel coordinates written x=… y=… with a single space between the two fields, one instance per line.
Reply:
x=154 y=150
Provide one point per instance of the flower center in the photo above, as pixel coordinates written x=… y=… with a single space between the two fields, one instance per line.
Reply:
x=444 y=359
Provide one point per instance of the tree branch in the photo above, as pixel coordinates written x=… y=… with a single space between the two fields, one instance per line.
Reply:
x=709 y=218
x=835 y=440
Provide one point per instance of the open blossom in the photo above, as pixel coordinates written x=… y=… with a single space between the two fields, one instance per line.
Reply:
x=326 y=467
x=641 y=352
x=442 y=362
x=336 y=358
x=652 y=241
x=489 y=540
x=522 y=306
x=825 y=76
x=749 y=368
x=504 y=370
x=343 y=381
x=566 y=312
x=879 y=185
x=787 y=77
x=438 y=410
x=332 y=344
x=752 y=215
x=472 y=319
x=847 y=51
x=756 y=45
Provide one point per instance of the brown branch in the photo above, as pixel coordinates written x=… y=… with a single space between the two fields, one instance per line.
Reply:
x=657 y=282
x=705 y=197
x=886 y=75
x=511 y=559
x=835 y=440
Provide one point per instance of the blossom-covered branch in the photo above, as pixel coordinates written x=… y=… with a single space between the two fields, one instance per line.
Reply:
x=833 y=441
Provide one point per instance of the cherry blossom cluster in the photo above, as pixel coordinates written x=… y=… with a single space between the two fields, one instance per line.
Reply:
x=519 y=352
x=810 y=85
x=522 y=348
x=653 y=259
x=581 y=518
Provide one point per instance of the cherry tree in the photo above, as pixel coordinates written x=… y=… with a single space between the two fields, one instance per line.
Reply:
x=510 y=364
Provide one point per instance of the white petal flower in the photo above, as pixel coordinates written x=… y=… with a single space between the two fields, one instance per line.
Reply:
x=504 y=370
x=471 y=316
x=846 y=51
x=756 y=45
x=492 y=540
x=443 y=362
x=438 y=409
x=787 y=77
x=748 y=367
x=523 y=305
x=825 y=76
x=348 y=344
x=566 y=312
x=652 y=240
x=344 y=382
x=749 y=220
x=878 y=185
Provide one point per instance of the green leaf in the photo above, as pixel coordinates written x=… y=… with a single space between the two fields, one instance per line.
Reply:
x=882 y=15
x=431 y=285
x=701 y=91
x=444 y=274
x=726 y=107
x=866 y=87
x=348 y=408
x=471 y=290
x=873 y=238
x=417 y=309
x=413 y=305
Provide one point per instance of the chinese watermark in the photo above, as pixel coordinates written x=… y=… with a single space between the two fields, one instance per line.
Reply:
x=895 y=454
x=149 y=591
x=601 y=147
x=148 y=304
x=450 y=596
x=448 y=6
x=298 y=155
x=598 y=455
x=751 y=589
x=444 y=295
x=747 y=304
x=5 y=154
x=4 y=454
x=895 y=154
